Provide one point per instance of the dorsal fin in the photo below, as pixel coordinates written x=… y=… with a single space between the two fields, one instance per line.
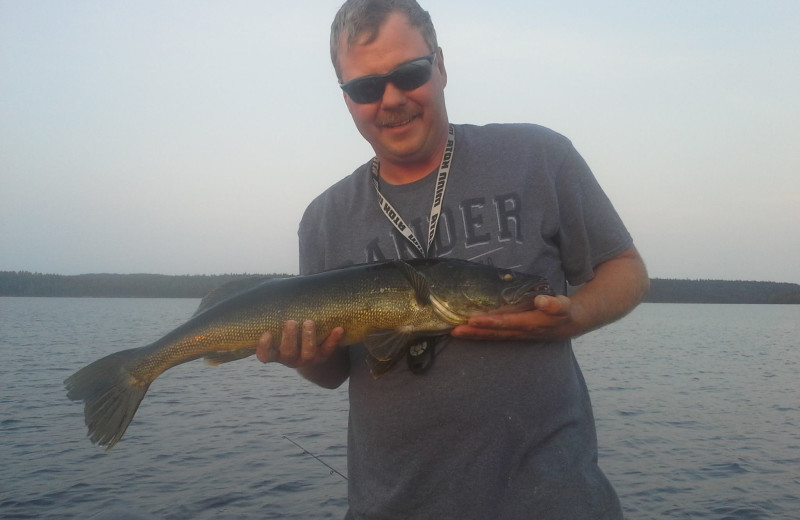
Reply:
x=226 y=290
x=419 y=283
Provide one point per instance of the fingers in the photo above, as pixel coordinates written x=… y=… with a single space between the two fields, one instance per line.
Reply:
x=513 y=321
x=264 y=351
x=289 y=349
x=298 y=346
x=553 y=305
x=308 y=342
x=484 y=333
x=328 y=346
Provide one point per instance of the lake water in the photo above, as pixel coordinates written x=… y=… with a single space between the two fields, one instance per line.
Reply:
x=697 y=409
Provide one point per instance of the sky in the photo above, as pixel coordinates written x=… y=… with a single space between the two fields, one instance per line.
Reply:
x=187 y=137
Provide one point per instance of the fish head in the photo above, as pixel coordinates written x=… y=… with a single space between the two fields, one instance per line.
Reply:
x=469 y=288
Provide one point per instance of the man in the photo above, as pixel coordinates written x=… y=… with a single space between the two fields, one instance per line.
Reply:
x=492 y=429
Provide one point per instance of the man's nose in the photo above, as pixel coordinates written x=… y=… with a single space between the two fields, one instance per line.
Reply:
x=393 y=96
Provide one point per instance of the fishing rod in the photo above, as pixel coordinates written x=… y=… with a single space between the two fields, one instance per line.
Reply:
x=333 y=470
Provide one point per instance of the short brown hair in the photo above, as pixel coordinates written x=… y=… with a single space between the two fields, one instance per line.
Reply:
x=357 y=18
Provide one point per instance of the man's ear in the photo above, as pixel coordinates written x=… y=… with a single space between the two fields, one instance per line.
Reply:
x=441 y=67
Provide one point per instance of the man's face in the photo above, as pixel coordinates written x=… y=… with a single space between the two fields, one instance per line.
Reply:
x=405 y=128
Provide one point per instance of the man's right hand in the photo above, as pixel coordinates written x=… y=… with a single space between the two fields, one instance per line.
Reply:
x=299 y=346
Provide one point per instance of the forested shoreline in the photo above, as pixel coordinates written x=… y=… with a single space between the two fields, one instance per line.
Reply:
x=23 y=283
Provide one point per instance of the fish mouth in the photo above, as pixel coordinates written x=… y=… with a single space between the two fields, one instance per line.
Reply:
x=524 y=294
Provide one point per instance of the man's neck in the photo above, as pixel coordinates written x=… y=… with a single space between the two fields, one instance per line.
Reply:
x=406 y=174
x=394 y=172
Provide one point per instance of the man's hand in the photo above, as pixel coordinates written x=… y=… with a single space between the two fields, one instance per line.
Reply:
x=321 y=363
x=551 y=319
x=299 y=346
x=618 y=286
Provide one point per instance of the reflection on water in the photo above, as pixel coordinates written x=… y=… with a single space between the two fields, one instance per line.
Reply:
x=697 y=412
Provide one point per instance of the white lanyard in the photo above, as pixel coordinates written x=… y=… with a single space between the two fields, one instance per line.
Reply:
x=438 y=197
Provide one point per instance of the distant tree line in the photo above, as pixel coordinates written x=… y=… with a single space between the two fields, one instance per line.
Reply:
x=22 y=283
x=721 y=291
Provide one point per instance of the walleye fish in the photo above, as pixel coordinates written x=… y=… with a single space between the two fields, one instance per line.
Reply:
x=385 y=306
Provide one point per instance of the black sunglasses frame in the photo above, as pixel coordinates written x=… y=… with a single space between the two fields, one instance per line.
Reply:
x=369 y=89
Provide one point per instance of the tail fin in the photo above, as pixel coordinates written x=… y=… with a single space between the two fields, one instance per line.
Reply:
x=111 y=396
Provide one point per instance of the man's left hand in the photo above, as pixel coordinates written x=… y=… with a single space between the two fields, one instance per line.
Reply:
x=618 y=286
x=551 y=319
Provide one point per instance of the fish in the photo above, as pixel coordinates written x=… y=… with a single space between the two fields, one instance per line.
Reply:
x=386 y=306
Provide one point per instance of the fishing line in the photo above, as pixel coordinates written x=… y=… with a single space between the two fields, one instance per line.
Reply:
x=333 y=470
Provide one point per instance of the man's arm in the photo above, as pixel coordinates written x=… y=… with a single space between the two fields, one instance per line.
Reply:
x=323 y=364
x=618 y=286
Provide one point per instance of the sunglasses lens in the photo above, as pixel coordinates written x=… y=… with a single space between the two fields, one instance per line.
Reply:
x=412 y=75
x=366 y=90
x=408 y=76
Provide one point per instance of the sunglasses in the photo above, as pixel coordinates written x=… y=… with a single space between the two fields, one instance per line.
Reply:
x=408 y=76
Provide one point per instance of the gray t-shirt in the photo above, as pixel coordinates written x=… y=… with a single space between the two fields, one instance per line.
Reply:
x=493 y=429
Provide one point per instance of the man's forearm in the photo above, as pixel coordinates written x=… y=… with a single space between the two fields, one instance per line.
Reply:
x=618 y=287
x=330 y=373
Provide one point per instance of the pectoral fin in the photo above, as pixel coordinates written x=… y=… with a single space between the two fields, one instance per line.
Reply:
x=378 y=368
x=387 y=344
x=385 y=348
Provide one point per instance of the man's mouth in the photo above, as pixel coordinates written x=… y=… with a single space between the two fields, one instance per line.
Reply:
x=397 y=121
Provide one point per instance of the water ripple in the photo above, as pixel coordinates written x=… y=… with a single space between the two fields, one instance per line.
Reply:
x=697 y=419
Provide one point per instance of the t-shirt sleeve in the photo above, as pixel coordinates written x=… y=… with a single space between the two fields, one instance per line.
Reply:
x=311 y=247
x=590 y=229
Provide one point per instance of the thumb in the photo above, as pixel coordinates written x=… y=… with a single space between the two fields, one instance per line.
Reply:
x=551 y=304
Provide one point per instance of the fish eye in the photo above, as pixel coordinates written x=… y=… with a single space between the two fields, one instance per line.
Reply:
x=507 y=277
